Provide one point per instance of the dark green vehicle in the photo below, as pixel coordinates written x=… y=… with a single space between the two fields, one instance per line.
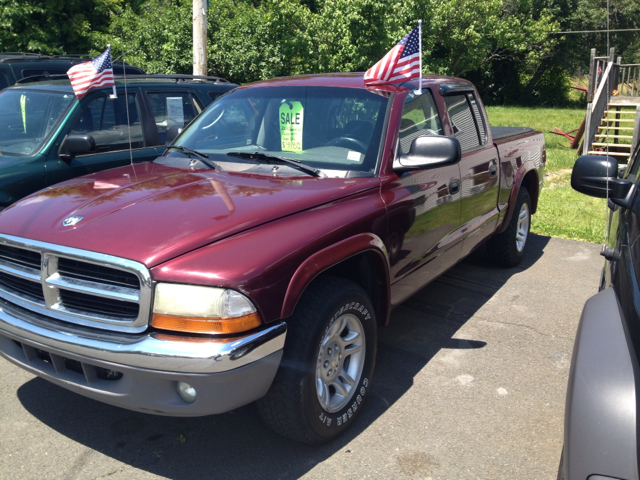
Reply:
x=47 y=135
x=16 y=66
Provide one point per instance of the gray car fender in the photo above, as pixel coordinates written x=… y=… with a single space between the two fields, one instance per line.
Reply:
x=600 y=415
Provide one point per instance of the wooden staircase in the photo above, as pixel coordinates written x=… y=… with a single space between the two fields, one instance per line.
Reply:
x=615 y=133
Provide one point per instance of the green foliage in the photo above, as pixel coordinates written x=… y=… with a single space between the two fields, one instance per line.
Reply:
x=256 y=40
x=158 y=39
x=53 y=26
x=509 y=48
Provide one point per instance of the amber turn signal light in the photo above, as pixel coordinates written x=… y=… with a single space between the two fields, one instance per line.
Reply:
x=205 y=325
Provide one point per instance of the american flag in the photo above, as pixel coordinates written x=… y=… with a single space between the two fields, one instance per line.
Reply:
x=93 y=74
x=402 y=62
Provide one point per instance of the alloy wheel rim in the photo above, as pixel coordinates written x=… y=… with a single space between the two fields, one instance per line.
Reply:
x=340 y=362
x=522 y=229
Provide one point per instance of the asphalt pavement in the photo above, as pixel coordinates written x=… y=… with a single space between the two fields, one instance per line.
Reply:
x=470 y=383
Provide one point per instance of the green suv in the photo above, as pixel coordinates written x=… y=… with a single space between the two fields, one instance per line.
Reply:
x=47 y=135
x=16 y=66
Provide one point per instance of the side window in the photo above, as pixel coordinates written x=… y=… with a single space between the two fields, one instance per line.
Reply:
x=106 y=121
x=4 y=83
x=482 y=131
x=172 y=108
x=464 y=125
x=214 y=95
x=42 y=71
x=419 y=117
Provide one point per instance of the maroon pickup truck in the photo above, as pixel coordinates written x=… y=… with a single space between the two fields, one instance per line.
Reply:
x=257 y=257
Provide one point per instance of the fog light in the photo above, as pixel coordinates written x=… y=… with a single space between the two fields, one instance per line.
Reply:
x=187 y=392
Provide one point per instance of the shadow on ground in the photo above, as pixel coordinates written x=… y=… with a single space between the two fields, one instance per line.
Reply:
x=237 y=444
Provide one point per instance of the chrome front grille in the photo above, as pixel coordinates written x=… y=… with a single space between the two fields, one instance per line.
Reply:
x=75 y=286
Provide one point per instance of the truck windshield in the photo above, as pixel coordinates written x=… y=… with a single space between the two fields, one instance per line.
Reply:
x=330 y=128
x=27 y=118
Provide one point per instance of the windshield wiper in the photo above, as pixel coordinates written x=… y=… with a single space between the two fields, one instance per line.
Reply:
x=269 y=158
x=203 y=157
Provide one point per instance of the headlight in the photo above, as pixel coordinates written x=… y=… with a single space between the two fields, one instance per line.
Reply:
x=196 y=309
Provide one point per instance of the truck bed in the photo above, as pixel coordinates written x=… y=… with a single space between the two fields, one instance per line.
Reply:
x=500 y=133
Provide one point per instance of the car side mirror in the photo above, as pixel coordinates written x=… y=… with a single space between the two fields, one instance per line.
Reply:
x=74 y=145
x=597 y=176
x=172 y=134
x=429 y=151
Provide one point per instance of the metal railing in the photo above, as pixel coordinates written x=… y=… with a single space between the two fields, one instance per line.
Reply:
x=597 y=66
x=629 y=79
x=596 y=108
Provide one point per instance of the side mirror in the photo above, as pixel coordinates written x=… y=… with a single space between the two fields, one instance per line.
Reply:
x=597 y=176
x=74 y=145
x=429 y=151
x=172 y=134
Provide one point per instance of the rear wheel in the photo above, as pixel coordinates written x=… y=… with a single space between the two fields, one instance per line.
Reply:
x=326 y=368
x=508 y=248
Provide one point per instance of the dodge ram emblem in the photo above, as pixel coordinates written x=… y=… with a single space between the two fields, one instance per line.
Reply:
x=70 y=221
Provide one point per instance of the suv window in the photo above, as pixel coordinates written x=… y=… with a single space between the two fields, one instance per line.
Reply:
x=106 y=121
x=27 y=117
x=4 y=82
x=172 y=108
x=463 y=121
x=419 y=117
x=42 y=71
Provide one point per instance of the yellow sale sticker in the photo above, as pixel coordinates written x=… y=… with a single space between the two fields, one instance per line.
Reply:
x=291 y=122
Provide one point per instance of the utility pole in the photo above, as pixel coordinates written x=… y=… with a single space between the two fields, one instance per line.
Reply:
x=199 y=37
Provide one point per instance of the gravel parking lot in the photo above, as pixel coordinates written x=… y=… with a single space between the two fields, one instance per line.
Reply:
x=470 y=384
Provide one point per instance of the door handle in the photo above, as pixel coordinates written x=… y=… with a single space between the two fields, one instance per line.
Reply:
x=454 y=186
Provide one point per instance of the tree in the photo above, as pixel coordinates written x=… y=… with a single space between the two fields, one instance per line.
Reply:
x=53 y=26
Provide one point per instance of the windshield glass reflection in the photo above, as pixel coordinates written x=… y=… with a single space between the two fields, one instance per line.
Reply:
x=324 y=127
x=27 y=118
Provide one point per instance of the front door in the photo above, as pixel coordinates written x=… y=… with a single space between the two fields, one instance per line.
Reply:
x=423 y=208
x=118 y=129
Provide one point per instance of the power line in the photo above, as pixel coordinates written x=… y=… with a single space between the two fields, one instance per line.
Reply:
x=599 y=31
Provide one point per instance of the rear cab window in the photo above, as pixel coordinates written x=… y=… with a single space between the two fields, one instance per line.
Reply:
x=467 y=122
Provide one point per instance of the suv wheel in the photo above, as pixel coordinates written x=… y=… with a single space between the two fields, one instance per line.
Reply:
x=326 y=368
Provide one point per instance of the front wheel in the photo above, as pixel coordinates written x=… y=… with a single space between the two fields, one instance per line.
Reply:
x=326 y=368
x=507 y=249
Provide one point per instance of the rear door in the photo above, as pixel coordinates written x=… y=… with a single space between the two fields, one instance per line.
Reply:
x=120 y=128
x=478 y=167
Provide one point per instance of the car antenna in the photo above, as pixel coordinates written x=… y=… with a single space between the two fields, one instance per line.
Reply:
x=126 y=104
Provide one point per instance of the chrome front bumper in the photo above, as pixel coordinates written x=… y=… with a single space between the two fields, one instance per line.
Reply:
x=154 y=351
x=141 y=371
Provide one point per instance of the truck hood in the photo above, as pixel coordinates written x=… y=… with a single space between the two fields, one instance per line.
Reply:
x=152 y=213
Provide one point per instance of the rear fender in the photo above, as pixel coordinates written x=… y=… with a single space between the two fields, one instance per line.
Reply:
x=334 y=255
x=528 y=178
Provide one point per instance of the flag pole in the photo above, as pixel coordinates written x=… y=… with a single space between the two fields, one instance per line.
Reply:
x=114 y=95
x=419 y=91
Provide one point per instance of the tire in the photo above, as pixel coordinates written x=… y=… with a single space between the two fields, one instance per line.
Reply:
x=304 y=402
x=508 y=248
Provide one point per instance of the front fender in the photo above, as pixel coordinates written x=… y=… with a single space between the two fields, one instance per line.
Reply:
x=331 y=256
x=600 y=414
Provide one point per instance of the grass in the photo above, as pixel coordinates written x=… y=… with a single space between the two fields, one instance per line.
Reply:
x=562 y=212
